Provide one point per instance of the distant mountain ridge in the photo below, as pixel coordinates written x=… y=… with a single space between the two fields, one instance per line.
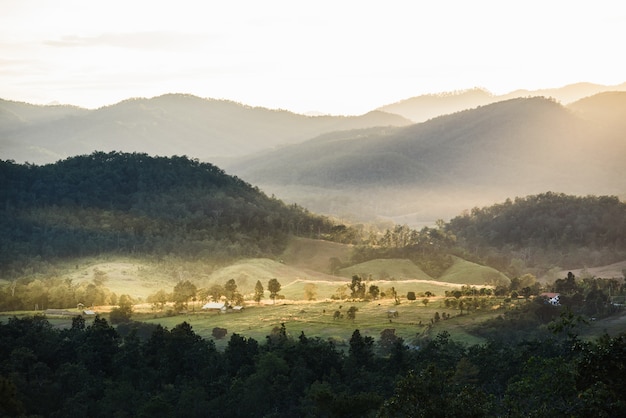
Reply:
x=214 y=130
x=172 y=124
x=514 y=147
x=428 y=106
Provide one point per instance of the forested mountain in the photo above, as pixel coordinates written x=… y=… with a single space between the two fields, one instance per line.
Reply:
x=136 y=204
x=428 y=106
x=509 y=148
x=545 y=230
x=172 y=124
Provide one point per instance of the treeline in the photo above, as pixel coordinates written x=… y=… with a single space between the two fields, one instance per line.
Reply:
x=137 y=204
x=55 y=292
x=151 y=371
x=429 y=248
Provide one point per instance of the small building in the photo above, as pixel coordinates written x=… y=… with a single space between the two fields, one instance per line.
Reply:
x=214 y=306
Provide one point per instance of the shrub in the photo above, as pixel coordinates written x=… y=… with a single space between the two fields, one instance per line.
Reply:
x=219 y=333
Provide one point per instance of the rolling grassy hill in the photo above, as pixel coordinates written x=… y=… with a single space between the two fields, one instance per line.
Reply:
x=381 y=269
x=467 y=273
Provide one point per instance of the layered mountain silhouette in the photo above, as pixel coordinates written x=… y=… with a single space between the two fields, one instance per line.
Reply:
x=428 y=106
x=473 y=149
x=172 y=124
x=509 y=148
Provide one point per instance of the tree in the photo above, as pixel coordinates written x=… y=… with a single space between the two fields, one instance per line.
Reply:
x=183 y=292
x=158 y=299
x=357 y=287
x=219 y=333
x=230 y=289
x=352 y=312
x=425 y=301
x=394 y=295
x=388 y=339
x=123 y=312
x=374 y=291
x=310 y=291
x=216 y=291
x=361 y=349
x=274 y=287
x=335 y=265
x=258 y=291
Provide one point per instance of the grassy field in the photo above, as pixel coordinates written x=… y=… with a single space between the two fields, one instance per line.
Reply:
x=316 y=319
x=466 y=272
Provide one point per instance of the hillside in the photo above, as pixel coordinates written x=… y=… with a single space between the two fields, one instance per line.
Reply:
x=470 y=158
x=134 y=204
x=386 y=269
x=467 y=273
x=172 y=124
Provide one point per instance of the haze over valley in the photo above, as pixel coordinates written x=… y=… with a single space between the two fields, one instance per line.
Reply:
x=377 y=166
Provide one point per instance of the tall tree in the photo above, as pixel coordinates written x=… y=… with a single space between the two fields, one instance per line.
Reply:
x=274 y=287
x=183 y=292
x=258 y=291
x=357 y=287
x=230 y=289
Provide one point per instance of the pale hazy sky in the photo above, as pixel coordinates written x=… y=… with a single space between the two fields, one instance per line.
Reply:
x=340 y=57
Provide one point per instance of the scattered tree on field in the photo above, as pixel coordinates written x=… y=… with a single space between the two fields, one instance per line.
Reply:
x=274 y=287
x=230 y=290
x=352 y=312
x=258 y=291
x=357 y=287
x=374 y=291
x=184 y=291
x=219 y=333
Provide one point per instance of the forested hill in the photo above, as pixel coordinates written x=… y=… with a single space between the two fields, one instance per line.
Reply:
x=548 y=225
x=134 y=203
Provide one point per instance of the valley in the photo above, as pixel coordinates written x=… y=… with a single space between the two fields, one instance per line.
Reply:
x=406 y=255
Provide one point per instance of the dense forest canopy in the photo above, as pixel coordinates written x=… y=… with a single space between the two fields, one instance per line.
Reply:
x=547 y=230
x=135 y=203
x=147 y=370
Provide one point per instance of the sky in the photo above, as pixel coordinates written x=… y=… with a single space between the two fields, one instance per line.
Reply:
x=337 y=57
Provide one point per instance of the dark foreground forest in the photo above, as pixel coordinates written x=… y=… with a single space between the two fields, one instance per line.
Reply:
x=150 y=371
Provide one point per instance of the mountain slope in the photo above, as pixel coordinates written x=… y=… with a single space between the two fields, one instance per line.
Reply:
x=502 y=143
x=172 y=124
x=510 y=148
x=134 y=204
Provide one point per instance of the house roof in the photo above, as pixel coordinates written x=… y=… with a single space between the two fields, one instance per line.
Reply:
x=214 y=305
